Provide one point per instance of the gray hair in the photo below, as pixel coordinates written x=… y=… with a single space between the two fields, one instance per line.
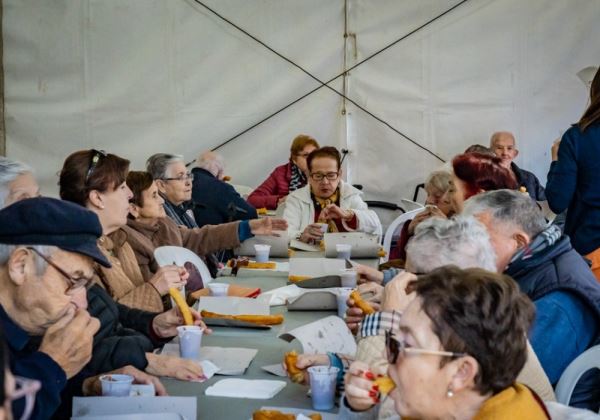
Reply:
x=9 y=171
x=7 y=250
x=461 y=241
x=439 y=181
x=158 y=164
x=212 y=162
x=509 y=207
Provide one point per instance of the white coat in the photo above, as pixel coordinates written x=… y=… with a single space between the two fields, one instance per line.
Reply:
x=300 y=210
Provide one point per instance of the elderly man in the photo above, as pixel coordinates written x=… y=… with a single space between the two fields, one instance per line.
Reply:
x=47 y=249
x=16 y=182
x=215 y=200
x=555 y=277
x=503 y=145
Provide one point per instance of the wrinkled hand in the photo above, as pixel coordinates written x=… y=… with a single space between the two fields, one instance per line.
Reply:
x=312 y=233
x=355 y=315
x=307 y=360
x=554 y=149
x=92 y=385
x=332 y=211
x=175 y=367
x=69 y=341
x=368 y=274
x=165 y=324
x=267 y=226
x=360 y=392
x=395 y=297
x=169 y=276
x=424 y=215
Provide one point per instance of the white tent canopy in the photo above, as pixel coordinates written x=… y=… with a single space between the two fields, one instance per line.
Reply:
x=136 y=77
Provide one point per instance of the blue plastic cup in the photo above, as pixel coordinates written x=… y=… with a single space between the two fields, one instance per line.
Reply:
x=190 y=340
x=322 y=386
x=116 y=385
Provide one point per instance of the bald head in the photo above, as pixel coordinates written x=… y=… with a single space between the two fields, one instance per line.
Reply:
x=503 y=145
x=212 y=162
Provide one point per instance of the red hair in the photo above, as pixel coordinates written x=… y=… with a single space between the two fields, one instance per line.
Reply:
x=482 y=172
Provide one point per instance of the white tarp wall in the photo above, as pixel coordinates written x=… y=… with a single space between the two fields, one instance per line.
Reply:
x=136 y=77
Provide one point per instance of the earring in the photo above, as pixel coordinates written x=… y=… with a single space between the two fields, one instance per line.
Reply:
x=450 y=393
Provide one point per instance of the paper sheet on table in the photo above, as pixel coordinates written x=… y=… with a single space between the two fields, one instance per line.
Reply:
x=302 y=411
x=281 y=295
x=315 y=300
x=364 y=245
x=302 y=246
x=327 y=334
x=258 y=389
x=230 y=305
x=279 y=245
x=228 y=361
x=316 y=267
x=276 y=369
x=106 y=406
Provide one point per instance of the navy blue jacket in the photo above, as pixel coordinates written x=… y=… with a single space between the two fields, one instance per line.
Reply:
x=560 y=269
x=26 y=361
x=530 y=182
x=216 y=201
x=574 y=184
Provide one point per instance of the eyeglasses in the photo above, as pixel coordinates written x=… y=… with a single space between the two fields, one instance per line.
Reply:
x=95 y=159
x=184 y=177
x=395 y=347
x=25 y=388
x=75 y=283
x=319 y=176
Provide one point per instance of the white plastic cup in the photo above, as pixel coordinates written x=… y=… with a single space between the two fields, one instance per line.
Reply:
x=342 y=300
x=349 y=278
x=218 y=289
x=190 y=340
x=322 y=386
x=262 y=252
x=344 y=251
x=116 y=385
x=323 y=226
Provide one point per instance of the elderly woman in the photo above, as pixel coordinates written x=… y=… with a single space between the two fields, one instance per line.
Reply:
x=285 y=178
x=455 y=352
x=148 y=227
x=327 y=199
x=16 y=182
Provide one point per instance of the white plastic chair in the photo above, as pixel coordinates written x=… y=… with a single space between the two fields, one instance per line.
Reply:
x=167 y=255
x=389 y=233
x=243 y=190
x=587 y=360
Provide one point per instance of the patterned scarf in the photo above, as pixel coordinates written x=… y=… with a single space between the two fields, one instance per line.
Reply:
x=542 y=241
x=321 y=203
x=298 y=179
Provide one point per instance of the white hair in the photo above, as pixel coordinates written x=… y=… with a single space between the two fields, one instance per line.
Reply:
x=461 y=241
x=508 y=207
x=212 y=162
x=158 y=164
x=7 y=250
x=9 y=171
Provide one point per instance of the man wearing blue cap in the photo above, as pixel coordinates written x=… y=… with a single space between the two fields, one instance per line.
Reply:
x=47 y=250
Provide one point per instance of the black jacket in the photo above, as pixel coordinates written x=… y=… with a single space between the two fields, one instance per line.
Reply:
x=530 y=182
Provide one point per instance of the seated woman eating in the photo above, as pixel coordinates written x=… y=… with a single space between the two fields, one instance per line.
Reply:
x=148 y=227
x=285 y=178
x=456 y=352
x=327 y=199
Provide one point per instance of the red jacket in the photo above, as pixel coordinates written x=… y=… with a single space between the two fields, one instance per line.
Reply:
x=277 y=185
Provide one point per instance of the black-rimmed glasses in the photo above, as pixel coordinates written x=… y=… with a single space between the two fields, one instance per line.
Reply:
x=75 y=283
x=395 y=347
x=93 y=163
x=319 y=176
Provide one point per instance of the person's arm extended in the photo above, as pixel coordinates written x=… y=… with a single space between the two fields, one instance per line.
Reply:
x=562 y=177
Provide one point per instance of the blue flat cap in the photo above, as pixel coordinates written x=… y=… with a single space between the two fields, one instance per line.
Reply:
x=48 y=221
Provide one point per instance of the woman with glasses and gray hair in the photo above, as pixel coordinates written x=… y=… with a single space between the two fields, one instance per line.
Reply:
x=327 y=200
x=455 y=352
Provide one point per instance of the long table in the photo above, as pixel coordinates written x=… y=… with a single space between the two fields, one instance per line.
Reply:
x=270 y=351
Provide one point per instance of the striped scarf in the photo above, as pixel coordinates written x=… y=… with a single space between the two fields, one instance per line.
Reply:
x=542 y=240
x=298 y=179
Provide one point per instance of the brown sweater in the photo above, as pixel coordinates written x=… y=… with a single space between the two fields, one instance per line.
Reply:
x=144 y=238
x=124 y=281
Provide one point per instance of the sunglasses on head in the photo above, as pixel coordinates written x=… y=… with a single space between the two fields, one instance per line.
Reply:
x=97 y=154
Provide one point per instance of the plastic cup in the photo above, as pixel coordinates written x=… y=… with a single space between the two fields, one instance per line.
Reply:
x=218 y=289
x=116 y=385
x=348 y=278
x=190 y=340
x=323 y=226
x=322 y=386
x=344 y=251
x=342 y=299
x=262 y=252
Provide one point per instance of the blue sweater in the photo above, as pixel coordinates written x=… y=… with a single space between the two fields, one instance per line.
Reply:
x=574 y=184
